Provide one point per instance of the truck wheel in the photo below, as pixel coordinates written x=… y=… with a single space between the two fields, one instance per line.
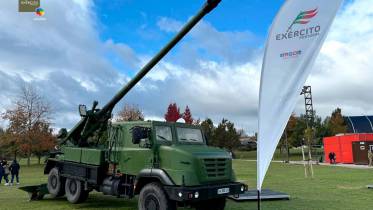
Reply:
x=75 y=192
x=214 y=204
x=153 y=197
x=55 y=183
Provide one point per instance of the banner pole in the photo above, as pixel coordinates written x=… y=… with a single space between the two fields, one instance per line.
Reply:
x=258 y=199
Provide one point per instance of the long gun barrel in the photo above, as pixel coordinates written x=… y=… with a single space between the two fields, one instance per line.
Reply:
x=97 y=119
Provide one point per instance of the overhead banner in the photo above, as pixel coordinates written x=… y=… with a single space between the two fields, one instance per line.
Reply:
x=294 y=41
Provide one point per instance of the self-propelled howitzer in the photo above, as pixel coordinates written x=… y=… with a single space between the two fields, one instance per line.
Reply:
x=95 y=120
x=166 y=164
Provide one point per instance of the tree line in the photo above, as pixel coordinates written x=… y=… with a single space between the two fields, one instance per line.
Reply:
x=295 y=131
x=30 y=133
x=224 y=135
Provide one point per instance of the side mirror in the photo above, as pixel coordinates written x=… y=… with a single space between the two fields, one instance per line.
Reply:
x=139 y=133
x=82 y=110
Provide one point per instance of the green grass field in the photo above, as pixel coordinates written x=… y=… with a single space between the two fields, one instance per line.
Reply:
x=295 y=154
x=332 y=188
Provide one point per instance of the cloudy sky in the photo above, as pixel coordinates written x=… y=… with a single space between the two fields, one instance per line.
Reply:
x=86 y=50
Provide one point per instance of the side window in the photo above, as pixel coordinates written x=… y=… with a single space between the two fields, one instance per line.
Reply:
x=163 y=134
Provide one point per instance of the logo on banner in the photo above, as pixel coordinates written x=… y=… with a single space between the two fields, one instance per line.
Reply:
x=291 y=54
x=303 y=18
x=39 y=12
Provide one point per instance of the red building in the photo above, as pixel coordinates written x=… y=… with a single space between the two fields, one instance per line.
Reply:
x=342 y=146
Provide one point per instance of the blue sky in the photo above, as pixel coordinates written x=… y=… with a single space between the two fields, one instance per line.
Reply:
x=135 y=22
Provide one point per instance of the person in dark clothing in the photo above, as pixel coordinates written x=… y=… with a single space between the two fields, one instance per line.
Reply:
x=331 y=157
x=14 y=170
x=1 y=172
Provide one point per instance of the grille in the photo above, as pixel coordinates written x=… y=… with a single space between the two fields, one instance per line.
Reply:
x=215 y=167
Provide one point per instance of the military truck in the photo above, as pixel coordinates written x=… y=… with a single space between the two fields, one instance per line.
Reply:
x=166 y=164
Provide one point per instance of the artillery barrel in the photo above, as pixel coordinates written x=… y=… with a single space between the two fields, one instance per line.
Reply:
x=209 y=6
x=95 y=121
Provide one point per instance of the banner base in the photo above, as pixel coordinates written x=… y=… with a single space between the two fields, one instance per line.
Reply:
x=265 y=195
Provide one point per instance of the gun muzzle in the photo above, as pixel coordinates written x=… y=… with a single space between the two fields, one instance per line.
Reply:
x=211 y=4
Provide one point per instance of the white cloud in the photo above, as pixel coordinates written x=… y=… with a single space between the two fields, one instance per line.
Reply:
x=343 y=73
x=228 y=86
x=62 y=56
x=169 y=25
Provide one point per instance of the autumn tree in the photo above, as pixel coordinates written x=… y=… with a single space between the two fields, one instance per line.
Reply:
x=336 y=123
x=187 y=116
x=130 y=113
x=173 y=113
x=289 y=129
x=297 y=132
x=2 y=149
x=8 y=145
x=29 y=129
x=296 y=128
x=43 y=138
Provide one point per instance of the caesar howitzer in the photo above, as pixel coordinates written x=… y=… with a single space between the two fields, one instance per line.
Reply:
x=165 y=164
x=95 y=120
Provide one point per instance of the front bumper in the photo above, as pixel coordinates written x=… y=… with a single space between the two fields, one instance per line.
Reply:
x=204 y=192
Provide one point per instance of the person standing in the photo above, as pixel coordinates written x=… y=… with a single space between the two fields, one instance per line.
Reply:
x=14 y=170
x=331 y=157
x=370 y=157
x=6 y=172
x=1 y=172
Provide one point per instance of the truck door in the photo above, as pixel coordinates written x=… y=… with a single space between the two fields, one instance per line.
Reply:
x=135 y=156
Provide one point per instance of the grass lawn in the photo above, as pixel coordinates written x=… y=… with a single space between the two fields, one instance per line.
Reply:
x=295 y=154
x=332 y=188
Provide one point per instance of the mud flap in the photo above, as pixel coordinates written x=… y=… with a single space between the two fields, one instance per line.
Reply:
x=35 y=192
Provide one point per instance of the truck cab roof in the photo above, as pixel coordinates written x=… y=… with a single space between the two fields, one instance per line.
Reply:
x=149 y=123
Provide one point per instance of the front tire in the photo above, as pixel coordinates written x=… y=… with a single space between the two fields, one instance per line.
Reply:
x=153 y=197
x=56 y=183
x=75 y=192
x=214 y=204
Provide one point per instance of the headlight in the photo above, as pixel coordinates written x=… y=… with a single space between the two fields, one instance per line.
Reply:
x=196 y=195
x=180 y=194
x=242 y=188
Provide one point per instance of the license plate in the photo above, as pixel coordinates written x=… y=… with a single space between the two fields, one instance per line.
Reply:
x=223 y=191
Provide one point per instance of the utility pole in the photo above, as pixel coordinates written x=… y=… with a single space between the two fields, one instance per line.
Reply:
x=307 y=92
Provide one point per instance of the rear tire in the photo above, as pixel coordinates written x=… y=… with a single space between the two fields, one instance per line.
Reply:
x=214 y=204
x=153 y=197
x=56 y=183
x=75 y=192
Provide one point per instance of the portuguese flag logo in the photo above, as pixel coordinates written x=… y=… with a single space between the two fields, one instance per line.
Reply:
x=304 y=17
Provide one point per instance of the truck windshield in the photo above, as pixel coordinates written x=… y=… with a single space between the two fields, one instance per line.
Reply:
x=163 y=134
x=189 y=135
